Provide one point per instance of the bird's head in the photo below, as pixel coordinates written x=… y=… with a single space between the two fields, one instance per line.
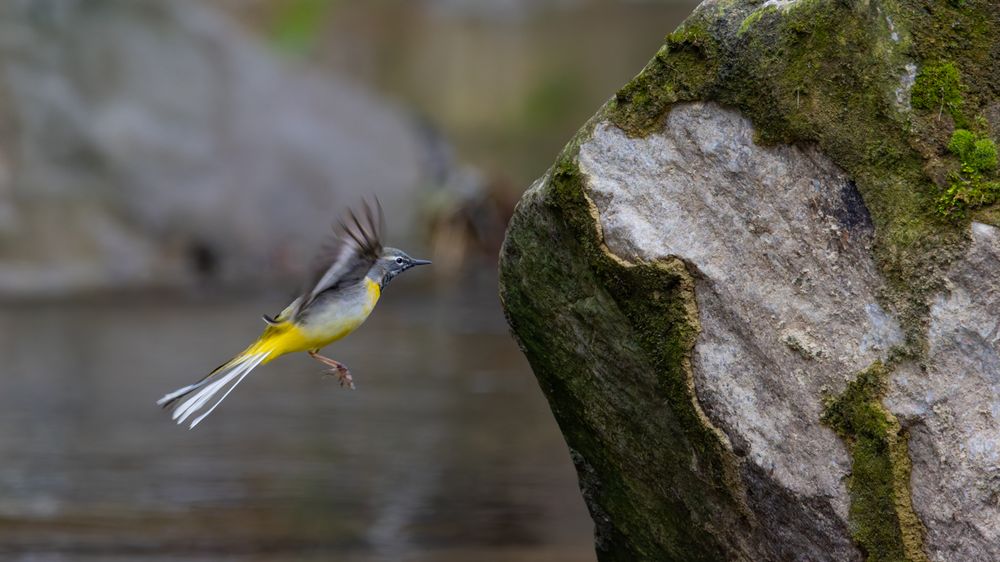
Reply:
x=391 y=263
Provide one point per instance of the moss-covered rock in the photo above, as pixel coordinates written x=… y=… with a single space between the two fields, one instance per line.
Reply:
x=663 y=464
x=696 y=284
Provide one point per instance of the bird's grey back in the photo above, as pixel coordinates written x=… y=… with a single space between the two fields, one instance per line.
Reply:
x=344 y=297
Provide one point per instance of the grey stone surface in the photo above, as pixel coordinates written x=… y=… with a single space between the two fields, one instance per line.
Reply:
x=136 y=133
x=953 y=410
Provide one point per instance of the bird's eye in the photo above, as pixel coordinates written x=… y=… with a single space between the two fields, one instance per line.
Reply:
x=399 y=261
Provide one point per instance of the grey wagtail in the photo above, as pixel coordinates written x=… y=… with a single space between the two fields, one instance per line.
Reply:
x=340 y=297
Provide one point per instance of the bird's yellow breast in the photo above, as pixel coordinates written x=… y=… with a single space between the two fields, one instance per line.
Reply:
x=330 y=321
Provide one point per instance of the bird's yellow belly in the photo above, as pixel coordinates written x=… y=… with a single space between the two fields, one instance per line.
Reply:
x=332 y=322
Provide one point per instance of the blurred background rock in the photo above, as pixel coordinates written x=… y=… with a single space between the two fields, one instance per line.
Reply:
x=150 y=143
x=155 y=142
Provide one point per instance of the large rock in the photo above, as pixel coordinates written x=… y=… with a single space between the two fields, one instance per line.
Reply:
x=142 y=141
x=761 y=328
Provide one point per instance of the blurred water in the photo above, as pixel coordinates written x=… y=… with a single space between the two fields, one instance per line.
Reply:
x=446 y=451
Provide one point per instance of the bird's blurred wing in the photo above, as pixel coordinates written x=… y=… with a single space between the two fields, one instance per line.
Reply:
x=357 y=246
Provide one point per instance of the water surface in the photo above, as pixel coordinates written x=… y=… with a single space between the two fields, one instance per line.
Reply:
x=446 y=451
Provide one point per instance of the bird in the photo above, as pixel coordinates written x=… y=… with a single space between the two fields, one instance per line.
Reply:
x=337 y=300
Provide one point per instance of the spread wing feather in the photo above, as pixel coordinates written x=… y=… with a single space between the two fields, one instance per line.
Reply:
x=357 y=245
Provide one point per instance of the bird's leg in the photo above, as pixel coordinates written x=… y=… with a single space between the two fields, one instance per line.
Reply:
x=336 y=368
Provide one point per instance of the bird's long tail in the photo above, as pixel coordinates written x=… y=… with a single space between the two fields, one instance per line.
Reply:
x=194 y=398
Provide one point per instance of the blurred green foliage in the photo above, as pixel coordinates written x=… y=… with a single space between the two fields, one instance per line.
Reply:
x=298 y=24
x=552 y=100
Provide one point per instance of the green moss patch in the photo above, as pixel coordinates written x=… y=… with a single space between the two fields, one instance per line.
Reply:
x=755 y=17
x=938 y=88
x=883 y=521
x=681 y=71
x=975 y=183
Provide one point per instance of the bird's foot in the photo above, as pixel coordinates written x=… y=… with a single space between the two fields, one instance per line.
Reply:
x=343 y=375
x=337 y=369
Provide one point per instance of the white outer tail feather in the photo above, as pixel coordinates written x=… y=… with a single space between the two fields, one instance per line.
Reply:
x=234 y=371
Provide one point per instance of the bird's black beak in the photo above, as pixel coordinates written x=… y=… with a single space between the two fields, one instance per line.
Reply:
x=420 y=262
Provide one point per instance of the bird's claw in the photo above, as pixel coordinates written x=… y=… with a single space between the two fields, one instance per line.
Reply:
x=336 y=368
x=343 y=375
